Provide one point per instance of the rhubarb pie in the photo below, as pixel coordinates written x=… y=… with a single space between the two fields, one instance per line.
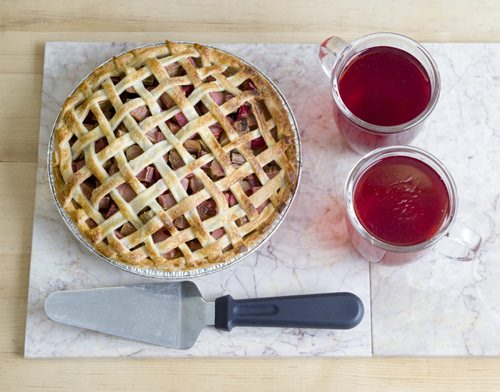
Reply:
x=174 y=157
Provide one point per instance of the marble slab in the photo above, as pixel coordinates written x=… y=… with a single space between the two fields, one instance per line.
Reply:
x=308 y=254
x=435 y=306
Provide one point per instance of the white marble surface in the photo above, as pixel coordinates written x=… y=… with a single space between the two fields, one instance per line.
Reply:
x=435 y=306
x=432 y=306
x=308 y=254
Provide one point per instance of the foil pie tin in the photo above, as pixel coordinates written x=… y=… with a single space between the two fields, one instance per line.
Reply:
x=191 y=273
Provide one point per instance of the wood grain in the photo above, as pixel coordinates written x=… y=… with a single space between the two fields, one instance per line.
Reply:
x=26 y=25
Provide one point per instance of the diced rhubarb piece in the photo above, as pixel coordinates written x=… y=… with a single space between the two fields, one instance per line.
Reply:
x=181 y=119
x=155 y=135
x=241 y=221
x=104 y=203
x=77 y=165
x=90 y=119
x=166 y=200
x=192 y=146
x=131 y=90
x=258 y=143
x=156 y=175
x=246 y=187
x=201 y=109
x=126 y=191
x=100 y=144
x=216 y=169
x=228 y=96
x=230 y=119
x=237 y=159
x=173 y=69
x=218 y=97
x=151 y=135
x=160 y=136
x=86 y=189
x=140 y=113
x=160 y=236
x=146 y=216
x=241 y=126
x=149 y=81
x=113 y=169
x=175 y=160
x=195 y=184
x=216 y=130
x=113 y=209
x=118 y=235
x=253 y=180
x=262 y=206
x=146 y=174
x=174 y=127
x=194 y=245
x=133 y=152
x=185 y=183
x=127 y=229
x=187 y=89
x=271 y=170
x=207 y=209
x=91 y=223
x=251 y=121
x=243 y=112
x=251 y=85
x=231 y=200
x=181 y=222
x=217 y=233
x=172 y=254
x=121 y=130
x=167 y=100
x=201 y=153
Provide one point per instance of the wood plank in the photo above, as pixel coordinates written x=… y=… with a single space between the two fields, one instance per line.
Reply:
x=16 y=207
x=19 y=116
x=374 y=375
x=444 y=20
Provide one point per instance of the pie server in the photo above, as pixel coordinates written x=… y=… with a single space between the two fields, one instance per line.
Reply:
x=173 y=314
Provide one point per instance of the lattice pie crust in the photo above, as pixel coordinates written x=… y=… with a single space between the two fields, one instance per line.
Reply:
x=174 y=156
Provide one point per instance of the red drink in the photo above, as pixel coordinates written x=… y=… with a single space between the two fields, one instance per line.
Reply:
x=385 y=86
x=401 y=201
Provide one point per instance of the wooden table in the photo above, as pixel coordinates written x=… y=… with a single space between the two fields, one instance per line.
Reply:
x=26 y=25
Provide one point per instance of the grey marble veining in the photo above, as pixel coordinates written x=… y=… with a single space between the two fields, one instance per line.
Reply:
x=436 y=306
x=308 y=254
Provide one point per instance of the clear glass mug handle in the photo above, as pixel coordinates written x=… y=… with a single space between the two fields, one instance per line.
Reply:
x=461 y=243
x=329 y=51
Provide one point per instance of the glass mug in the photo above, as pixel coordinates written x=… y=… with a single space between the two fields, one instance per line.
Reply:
x=390 y=110
x=395 y=177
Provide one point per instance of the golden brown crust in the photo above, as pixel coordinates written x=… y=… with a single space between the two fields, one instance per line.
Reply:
x=138 y=248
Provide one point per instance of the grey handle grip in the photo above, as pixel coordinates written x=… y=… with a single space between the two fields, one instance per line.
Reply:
x=325 y=311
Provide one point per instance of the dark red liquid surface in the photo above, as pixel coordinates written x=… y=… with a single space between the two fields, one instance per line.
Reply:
x=401 y=201
x=385 y=86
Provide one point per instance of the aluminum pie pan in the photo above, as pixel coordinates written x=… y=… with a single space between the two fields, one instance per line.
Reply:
x=195 y=272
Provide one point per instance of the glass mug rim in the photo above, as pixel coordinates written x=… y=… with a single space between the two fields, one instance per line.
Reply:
x=347 y=53
x=375 y=156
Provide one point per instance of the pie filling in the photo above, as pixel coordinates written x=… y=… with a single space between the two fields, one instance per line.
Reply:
x=195 y=159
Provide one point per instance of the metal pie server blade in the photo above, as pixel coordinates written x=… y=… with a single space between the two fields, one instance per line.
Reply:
x=170 y=315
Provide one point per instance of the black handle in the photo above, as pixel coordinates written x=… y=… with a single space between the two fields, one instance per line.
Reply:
x=329 y=311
